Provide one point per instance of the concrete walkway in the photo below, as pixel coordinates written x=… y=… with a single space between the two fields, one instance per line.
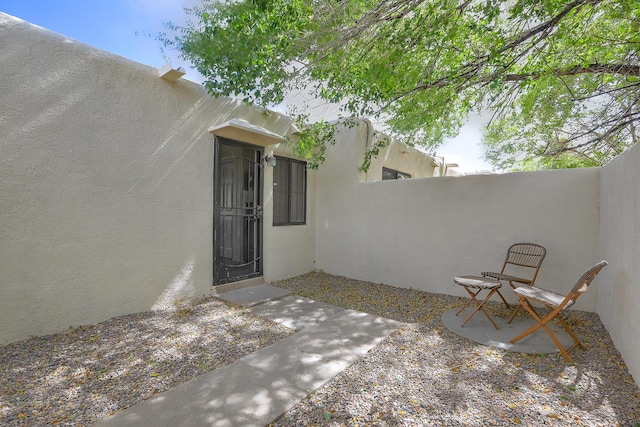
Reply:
x=258 y=388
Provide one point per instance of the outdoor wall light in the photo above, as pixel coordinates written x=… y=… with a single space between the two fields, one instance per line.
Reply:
x=270 y=160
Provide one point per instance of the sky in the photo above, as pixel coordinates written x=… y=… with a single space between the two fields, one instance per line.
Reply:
x=129 y=28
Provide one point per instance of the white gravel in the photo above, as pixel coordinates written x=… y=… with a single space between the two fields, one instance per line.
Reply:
x=83 y=375
x=425 y=375
x=421 y=375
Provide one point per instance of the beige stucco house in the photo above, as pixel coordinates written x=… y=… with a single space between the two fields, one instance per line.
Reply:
x=126 y=187
x=122 y=191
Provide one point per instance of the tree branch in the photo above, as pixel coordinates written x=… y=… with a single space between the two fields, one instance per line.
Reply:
x=618 y=123
x=621 y=69
x=548 y=24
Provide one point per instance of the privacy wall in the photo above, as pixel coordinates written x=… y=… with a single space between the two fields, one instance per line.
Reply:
x=619 y=290
x=420 y=233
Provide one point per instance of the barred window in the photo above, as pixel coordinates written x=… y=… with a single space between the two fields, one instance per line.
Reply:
x=289 y=192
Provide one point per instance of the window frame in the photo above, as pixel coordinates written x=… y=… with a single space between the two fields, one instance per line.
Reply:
x=288 y=193
x=396 y=174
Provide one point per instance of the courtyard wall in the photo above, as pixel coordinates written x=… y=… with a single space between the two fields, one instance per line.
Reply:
x=619 y=243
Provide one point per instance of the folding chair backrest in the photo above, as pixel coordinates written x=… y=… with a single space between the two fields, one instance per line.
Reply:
x=582 y=284
x=528 y=255
x=585 y=280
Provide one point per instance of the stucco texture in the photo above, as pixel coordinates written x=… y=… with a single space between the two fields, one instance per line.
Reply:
x=420 y=233
x=105 y=180
x=619 y=243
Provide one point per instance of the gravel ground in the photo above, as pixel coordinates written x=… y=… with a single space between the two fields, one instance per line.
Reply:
x=420 y=375
x=83 y=375
x=425 y=375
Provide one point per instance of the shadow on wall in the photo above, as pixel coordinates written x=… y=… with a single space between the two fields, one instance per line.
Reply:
x=181 y=287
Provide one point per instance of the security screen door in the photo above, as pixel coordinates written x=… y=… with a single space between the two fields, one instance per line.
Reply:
x=237 y=228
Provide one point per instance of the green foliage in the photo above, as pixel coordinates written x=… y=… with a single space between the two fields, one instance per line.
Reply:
x=312 y=139
x=561 y=77
x=372 y=152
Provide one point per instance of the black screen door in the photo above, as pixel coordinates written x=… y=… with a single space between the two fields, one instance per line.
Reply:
x=237 y=231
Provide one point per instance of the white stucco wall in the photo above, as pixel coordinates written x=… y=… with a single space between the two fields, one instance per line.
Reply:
x=395 y=155
x=105 y=181
x=296 y=244
x=619 y=295
x=420 y=233
x=288 y=250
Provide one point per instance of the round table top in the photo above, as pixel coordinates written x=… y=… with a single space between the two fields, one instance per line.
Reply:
x=479 y=282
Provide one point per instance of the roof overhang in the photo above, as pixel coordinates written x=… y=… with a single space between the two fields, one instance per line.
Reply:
x=243 y=131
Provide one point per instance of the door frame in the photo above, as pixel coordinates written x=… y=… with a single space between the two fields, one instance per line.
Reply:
x=242 y=269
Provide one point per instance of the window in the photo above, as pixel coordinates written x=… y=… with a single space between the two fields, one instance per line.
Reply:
x=394 y=174
x=289 y=192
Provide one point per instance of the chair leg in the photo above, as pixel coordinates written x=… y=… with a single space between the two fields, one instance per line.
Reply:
x=479 y=306
x=533 y=328
x=576 y=341
x=503 y=299
x=563 y=351
x=542 y=323
x=513 y=315
x=472 y=299
x=517 y=310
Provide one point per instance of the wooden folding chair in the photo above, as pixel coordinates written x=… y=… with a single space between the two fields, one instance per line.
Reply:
x=527 y=255
x=556 y=303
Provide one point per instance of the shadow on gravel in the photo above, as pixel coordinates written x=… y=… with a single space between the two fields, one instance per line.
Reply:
x=425 y=374
x=90 y=372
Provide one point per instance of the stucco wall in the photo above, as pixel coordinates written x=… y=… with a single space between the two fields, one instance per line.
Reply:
x=288 y=250
x=420 y=233
x=106 y=183
x=619 y=295
x=395 y=155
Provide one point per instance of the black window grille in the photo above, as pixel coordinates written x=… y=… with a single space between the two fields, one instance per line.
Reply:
x=289 y=192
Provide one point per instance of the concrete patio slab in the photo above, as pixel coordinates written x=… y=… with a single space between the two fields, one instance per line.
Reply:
x=295 y=311
x=253 y=295
x=480 y=330
x=258 y=388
